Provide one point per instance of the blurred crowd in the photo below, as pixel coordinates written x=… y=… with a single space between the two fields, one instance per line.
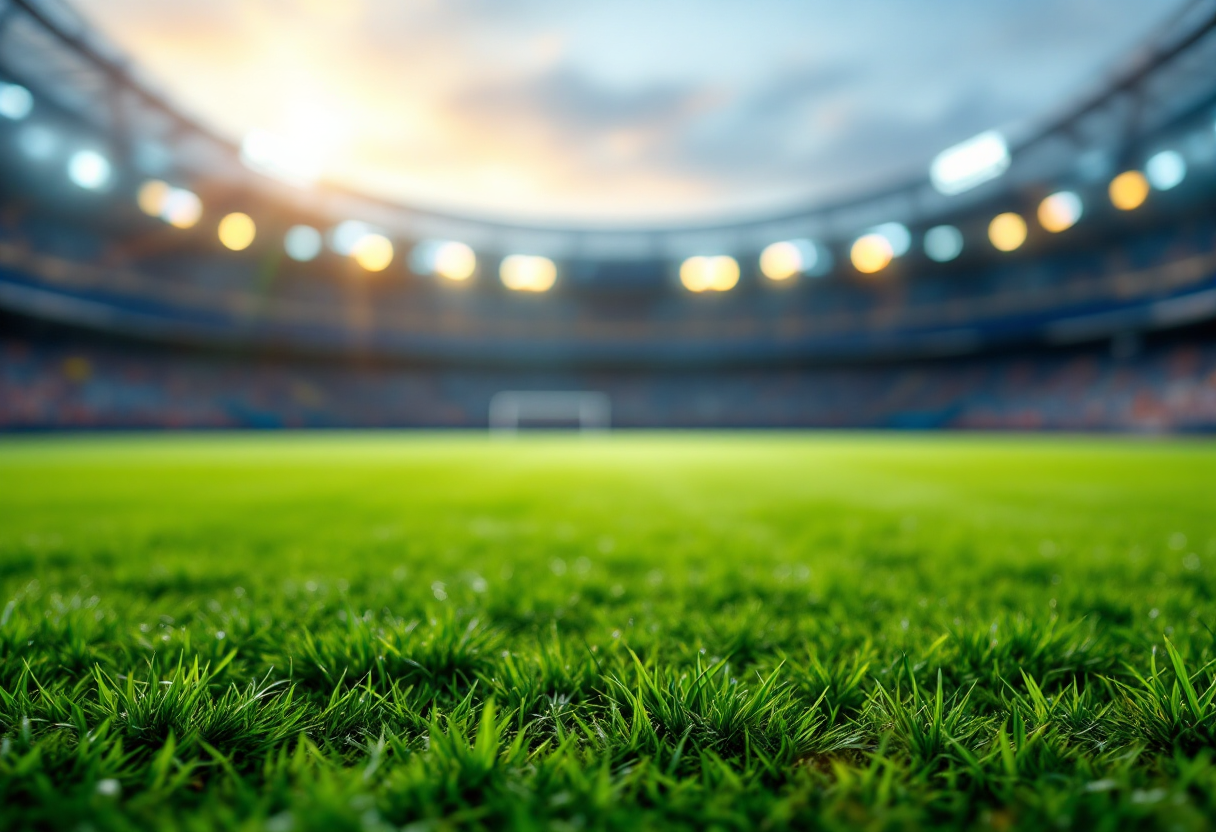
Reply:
x=90 y=382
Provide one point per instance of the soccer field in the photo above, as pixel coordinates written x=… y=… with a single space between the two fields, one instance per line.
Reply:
x=744 y=631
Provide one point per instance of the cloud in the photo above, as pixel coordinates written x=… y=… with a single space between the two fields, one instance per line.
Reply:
x=631 y=111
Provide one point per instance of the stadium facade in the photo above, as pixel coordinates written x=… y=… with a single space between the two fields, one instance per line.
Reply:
x=153 y=274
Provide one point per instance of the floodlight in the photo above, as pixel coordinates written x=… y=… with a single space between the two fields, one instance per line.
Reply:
x=527 y=273
x=236 y=231
x=897 y=235
x=302 y=243
x=714 y=273
x=37 y=142
x=1007 y=231
x=1060 y=211
x=152 y=196
x=16 y=102
x=970 y=163
x=373 y=252
x=346 y=235
x=454 y=261
x=783 y=260
x=448 y=259
x=1128 y=190
x=88 y=169
x=1165 y=170
x=182 y=208
x=871 y=253
x=943 y=243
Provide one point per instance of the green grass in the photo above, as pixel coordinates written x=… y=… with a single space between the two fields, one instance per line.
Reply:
x=658 y=631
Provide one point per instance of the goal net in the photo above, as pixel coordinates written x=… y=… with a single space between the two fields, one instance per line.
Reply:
x=511 y=410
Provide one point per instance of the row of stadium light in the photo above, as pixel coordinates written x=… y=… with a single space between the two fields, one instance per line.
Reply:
x=869 y=254
x=876 y=249
x=954 y=171
x=373 y=251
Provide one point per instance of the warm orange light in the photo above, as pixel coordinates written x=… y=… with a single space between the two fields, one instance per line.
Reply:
x=527 y=273
x=1128 y=190
x=1060 y=211
x=718 y=273
x=871 y=253
x=152 y=196
x=1007 y=231
x=237 y=231
x=781 y=261
x=373 y=252
x=455 y=261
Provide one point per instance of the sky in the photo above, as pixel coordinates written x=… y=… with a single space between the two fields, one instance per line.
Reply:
x=629 y=111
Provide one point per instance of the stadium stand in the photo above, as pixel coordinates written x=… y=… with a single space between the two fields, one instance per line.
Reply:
x=122 y=317
x=52 y=378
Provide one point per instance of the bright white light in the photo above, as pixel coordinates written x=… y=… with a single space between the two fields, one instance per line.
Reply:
x=975 y=161
x=1165 y=170
x=373 y=252
x=345 y=236
x=446 y=258
x=182 y=209
x=943 y=243
x=897 y=235
x=302 y=243
x=781 y=261
x=527 y=273
x=289 y=160
x=88 y=169
x=38 y=143
x=16 y=102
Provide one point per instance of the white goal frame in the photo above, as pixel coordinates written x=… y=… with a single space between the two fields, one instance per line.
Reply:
x=510 y=408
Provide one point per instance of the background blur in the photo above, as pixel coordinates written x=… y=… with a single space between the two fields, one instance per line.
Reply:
x=460 y=214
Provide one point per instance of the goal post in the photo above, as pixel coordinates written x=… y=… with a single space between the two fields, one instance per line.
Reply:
x=512 y=409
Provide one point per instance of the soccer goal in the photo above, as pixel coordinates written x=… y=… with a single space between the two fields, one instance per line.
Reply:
x=511 y=410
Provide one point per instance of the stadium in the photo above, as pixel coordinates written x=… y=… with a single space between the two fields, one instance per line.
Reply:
x=280 y=549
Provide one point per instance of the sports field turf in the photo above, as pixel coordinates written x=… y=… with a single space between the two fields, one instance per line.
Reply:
x=659 y=631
